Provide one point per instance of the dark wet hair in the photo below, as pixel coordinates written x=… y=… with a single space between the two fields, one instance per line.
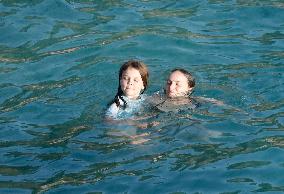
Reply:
x=143 y=70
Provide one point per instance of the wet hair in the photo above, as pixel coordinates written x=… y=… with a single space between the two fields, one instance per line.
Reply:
x=143 y=70
x=188 y=75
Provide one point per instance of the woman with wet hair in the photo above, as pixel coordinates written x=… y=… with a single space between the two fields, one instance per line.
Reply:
x=177 y=93
x=179 y=83
x=132 y=82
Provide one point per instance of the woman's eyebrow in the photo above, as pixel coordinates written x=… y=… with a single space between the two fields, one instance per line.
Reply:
x=129 y=75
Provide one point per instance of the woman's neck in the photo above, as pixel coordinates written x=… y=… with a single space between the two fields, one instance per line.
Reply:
x=132 y=97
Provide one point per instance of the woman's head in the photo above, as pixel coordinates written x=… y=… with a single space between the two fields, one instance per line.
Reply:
x=133 y=79
x=180 y=83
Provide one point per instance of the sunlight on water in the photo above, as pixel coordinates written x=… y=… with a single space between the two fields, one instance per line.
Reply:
x=59 y=62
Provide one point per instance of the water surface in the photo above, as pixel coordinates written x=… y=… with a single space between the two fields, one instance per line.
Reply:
x=59 y=63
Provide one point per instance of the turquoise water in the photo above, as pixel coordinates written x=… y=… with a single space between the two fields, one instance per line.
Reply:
x=59 y=62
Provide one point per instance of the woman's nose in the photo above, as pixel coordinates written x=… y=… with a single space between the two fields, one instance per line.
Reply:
x=172 y=86
x=130 y=82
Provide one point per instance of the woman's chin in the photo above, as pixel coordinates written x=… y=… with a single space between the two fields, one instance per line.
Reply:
x=171 y=95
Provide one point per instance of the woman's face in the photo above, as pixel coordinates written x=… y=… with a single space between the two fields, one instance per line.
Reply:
x=131 y=83
x=177 y=85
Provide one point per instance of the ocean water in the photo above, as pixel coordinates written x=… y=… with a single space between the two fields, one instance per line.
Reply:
x=59 y=63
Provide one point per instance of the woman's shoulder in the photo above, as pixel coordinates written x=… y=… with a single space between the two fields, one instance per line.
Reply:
x=201 y=99
x=113 y=109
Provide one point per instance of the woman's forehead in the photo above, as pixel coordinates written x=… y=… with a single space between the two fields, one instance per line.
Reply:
x=177 y=76
x=131 y=71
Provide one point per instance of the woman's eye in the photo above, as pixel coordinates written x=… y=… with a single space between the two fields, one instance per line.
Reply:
x=136 y=80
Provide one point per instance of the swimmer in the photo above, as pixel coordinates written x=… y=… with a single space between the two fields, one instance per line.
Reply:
x=180 y=83
x=133 y=81
x=178 y=91
x=176 y=95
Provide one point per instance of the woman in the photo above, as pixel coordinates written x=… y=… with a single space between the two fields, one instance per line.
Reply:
x=133 y=81
x=180 y=83
x=177 y=93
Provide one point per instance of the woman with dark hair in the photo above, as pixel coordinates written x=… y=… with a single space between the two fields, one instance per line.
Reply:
x=180 y=83
x=133 y=81
x=177 y=93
